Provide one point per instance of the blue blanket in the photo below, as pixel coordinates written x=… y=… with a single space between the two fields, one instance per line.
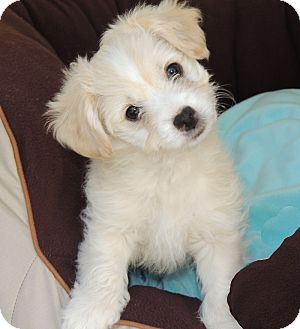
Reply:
x=263 y=136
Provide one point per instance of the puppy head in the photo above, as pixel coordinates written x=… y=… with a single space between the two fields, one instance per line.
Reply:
x=144 y=87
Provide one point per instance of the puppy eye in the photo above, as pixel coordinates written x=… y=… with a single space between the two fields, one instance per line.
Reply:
x=133 y=113
x=174 y=70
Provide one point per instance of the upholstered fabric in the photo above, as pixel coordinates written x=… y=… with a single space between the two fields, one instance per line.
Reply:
x=30 y=296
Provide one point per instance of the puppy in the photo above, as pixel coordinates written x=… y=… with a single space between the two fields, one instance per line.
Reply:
x=160 y=188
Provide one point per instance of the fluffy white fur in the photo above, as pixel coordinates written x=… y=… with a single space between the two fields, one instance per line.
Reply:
x=157 y=196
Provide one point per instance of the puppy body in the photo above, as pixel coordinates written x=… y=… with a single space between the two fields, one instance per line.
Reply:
x=161 y=190
x=160 y=211
x=167 y=202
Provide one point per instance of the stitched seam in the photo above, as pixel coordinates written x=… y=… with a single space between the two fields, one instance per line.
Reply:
x=21 y=285
x=31 y=222
x=134 y=324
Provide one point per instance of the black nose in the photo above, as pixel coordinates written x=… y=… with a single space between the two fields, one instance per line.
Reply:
x=186 y=120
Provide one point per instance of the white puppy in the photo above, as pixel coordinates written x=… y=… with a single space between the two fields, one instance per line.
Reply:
x=161 y=190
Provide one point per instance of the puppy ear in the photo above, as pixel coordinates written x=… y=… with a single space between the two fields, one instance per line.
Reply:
x=176 y=23
x=74 y=115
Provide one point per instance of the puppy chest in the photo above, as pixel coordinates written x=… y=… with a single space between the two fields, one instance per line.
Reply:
x=163 y=241
x=166 y=217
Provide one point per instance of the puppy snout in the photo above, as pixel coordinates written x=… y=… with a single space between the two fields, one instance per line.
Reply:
x=186 y=120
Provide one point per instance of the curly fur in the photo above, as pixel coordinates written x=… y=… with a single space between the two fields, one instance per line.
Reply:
x=157 y=196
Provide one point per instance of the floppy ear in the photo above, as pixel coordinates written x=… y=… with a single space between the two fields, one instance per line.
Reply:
x=176 y=23
x=74 y=115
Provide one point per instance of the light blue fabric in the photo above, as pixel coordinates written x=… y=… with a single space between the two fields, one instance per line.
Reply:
x=263 y=137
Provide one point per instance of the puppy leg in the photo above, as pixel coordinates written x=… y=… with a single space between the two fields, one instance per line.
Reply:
x=100 y=293
x=217 y=260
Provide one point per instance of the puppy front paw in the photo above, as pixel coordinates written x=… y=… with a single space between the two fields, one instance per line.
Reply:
x=80 y=314
x=86 y=318
x=216 y=316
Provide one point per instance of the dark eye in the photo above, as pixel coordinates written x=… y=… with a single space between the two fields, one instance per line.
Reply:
x=174 y=70
x=133 y=113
